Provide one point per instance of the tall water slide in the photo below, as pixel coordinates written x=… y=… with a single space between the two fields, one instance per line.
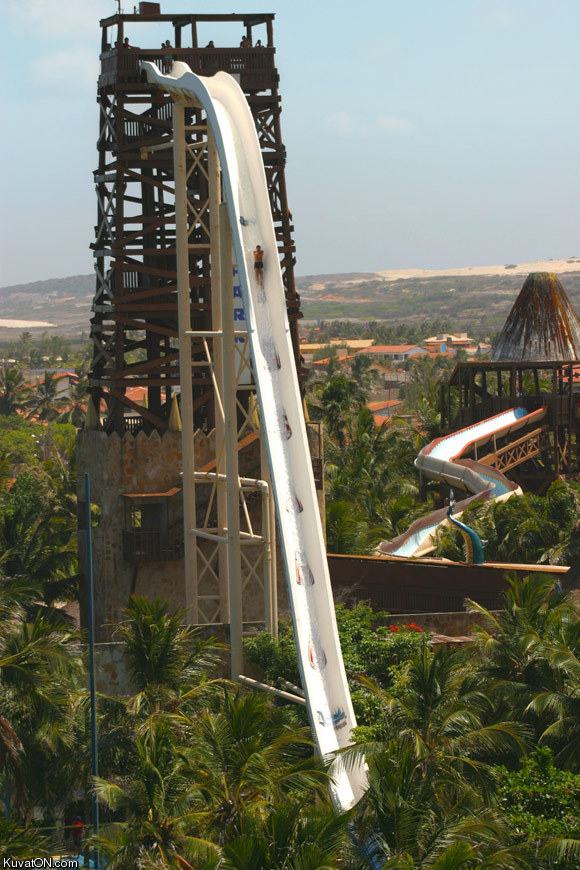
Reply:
x=320 y=660
x=300 y=532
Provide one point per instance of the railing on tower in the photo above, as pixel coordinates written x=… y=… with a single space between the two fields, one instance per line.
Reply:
x=254 y=66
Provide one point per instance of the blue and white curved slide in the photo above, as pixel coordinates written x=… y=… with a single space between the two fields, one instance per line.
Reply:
x=440 y=460
x=310 y=595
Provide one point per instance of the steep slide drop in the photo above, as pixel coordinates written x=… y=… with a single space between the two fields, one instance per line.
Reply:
x=245 y=191
x=440 y=460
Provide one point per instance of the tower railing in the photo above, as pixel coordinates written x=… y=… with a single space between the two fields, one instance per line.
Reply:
x=255 y=66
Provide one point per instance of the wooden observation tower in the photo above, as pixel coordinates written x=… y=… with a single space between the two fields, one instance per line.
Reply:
x=536 y=364
x=134 y=323
x=131 y=445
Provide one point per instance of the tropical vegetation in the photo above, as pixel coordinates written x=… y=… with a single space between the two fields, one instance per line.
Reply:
x=472 y=753
x=530 y=529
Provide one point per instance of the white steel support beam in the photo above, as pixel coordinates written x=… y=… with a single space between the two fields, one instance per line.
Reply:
x=185 y=371
x=230 y=446
x=215 y=199
x=269 y=557
x=227 y=364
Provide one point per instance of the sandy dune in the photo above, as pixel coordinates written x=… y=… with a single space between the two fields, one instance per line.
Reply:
x=558 y=266
x=23 y=324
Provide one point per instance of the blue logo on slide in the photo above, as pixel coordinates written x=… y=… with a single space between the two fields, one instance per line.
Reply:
x=239 y=313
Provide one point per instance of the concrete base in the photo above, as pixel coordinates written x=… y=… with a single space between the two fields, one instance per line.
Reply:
x=127 y=464
x=142 y=463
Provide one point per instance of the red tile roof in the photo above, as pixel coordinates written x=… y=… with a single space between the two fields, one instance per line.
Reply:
x=327 y=359
x=379 y=420
x=136 y=394
x=390 y=348
x=388 y=403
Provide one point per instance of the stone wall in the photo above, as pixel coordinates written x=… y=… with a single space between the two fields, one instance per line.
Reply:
x=144 y=463
x=120 y=464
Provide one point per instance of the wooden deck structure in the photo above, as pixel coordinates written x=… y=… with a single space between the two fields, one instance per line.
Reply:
x=134 y=322
x=402 y=585
x=481 y=388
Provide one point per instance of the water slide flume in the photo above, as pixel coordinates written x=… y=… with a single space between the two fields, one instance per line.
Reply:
x=303 y=550
x=440 y=460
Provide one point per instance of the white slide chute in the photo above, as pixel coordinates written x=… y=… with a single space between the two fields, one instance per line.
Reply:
x=283 y=428
x=441 y=460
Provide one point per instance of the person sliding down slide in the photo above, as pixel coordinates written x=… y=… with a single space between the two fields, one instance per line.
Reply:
x=259 y=266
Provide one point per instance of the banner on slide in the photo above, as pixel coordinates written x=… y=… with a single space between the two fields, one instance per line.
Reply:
x=240 y=322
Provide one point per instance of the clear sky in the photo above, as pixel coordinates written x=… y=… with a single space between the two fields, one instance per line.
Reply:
x=420 y=133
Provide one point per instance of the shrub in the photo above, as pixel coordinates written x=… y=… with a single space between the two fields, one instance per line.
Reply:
x=368 y=647
x=542 y=802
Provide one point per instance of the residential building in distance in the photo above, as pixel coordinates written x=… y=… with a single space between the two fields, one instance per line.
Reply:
x=384 y=409
x=353 y=343
x=344 y=347
x=63 y=379
x=393 y=352
x=448 y=341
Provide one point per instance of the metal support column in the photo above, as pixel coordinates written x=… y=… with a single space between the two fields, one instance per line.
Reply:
x=269 y=533
x=215 y=199
x=185 y=376
x=230 y=444
x=227 y=363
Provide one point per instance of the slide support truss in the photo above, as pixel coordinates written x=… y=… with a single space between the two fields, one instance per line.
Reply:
x=226 y=357
x=263 y=350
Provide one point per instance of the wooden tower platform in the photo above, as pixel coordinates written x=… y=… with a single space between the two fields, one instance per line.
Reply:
x=135 y=369
x=131 y=445
x=481 y=388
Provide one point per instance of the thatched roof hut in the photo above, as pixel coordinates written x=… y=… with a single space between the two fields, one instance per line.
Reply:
x=542 y=324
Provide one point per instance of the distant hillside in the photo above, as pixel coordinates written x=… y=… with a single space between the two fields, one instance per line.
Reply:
x=476 y=302
x=63 y=302
x=476 y=297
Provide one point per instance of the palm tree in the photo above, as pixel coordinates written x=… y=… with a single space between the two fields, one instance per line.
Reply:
x=197 y=764
x=158 y=801
x=39 y=672
x=347 y=528
x=75 y=410
x=335 y=400
x=24 y=346
x=14 y=393
x=410 y=817
x=169 y=662
x=372 y=471
x=530 y=651
x=426 y=374
x=422 y=391
x=227 y=790
x=431 y=774
x=47 y=404
x=363 y=373
x=24 y=842
x=41 y=549
x=428 y=418
x=248 y=755
x=443 y=710
x=529 y=529
x=290 y=835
